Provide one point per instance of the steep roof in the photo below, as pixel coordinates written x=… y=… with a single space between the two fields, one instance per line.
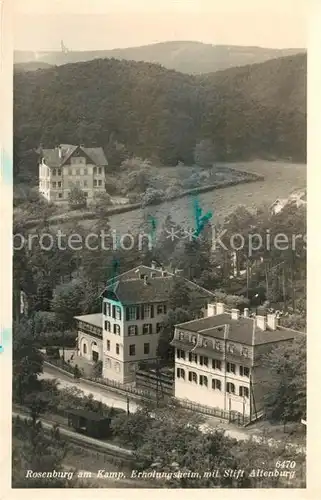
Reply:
x=130 y=288
x=243 y=330
x=52 y=158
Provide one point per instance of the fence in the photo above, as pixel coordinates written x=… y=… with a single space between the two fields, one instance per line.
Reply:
x=230 y=416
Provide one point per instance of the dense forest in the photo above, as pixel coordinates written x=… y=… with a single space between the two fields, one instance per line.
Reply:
x=255 y=111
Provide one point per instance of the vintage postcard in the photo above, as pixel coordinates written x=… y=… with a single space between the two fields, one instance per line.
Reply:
x=157 y=184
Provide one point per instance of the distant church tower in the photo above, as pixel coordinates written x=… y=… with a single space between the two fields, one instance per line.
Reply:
x=64 y=49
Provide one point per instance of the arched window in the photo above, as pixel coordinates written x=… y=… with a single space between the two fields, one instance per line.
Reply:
x=203 y=380
x=84 y=349
x=244 y=391
x=192 y=377
x=230 y=388
x=216 y=384
x=180 y=373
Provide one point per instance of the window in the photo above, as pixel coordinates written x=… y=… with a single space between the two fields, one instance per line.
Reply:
x=95 y=170
x=244 y=371
x=59 y=195
x=216 y=364
x=107 y=326
x=107 y=309
x=132 y=350
x=117 y=367
x=230 y=348
x=85 y=184
x=230 y=388
x=216 y=384
x=218 y=346
x=190 y=357
x=159 y=327
x=78 y=183
x=192 y=377
x=180 y=354
x=73 y=171
x=230 y=367
x=204 y=360
x=54 y=184
x=77 y=171
x=161 y=309
x=146 y=311
x=85 y=171
x=59 y=171
x=203 y=380
x=107 y=362
x=84 y=349
x=146 y=348
x=116 y=329
x=132 y=330
x=99 y=170
x=95 y=183
x=194 y=339
x=245 y=352
x=180 y=373
x=85 y=194
x=108 y=345
x=100 y=183
x=243 y=391
x=131 y=313
x=59 y=184
x=117 y=348
x=118 y=312
x=147 y=329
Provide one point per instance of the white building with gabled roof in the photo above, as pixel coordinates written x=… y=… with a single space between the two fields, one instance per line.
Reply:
x=66 y=166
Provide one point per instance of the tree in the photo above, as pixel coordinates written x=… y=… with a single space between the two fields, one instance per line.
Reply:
x=152 y=196
x=179 y=296
x=174 y=316
x=285 y=387
x=27 y=361
x=77 y=198
x=66 y=301
x=39 y=451
x=204 y=153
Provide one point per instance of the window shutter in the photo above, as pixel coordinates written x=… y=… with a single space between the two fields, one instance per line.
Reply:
x=127 y=313
x=114 y=312
x=152 y=311
x=142 y=311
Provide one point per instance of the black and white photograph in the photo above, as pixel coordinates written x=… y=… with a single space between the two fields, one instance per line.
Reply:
x=159 y=280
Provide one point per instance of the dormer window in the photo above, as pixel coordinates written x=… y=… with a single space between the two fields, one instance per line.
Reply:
x=194 y=339
x=217 y=346
x=231 y=348
x=142 y=276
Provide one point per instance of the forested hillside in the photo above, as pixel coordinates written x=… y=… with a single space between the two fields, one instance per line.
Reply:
x=253 y=111
x=185 y=56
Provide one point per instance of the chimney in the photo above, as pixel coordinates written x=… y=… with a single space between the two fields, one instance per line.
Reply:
x=235 y=314
x=59 y=151
x=261 y=322
x=145 y=280
x=211 y=309
x=153 y=264
x=272 y=321
x=246 y=312
x=220 y=308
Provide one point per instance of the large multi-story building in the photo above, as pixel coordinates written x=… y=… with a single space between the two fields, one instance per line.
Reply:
x=66 y=166
x=218 y=359
x=133 y=307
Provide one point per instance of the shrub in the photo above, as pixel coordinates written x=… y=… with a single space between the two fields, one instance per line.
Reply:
x=152 y=196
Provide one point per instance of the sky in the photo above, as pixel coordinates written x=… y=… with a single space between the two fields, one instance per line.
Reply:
x=107 y=24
